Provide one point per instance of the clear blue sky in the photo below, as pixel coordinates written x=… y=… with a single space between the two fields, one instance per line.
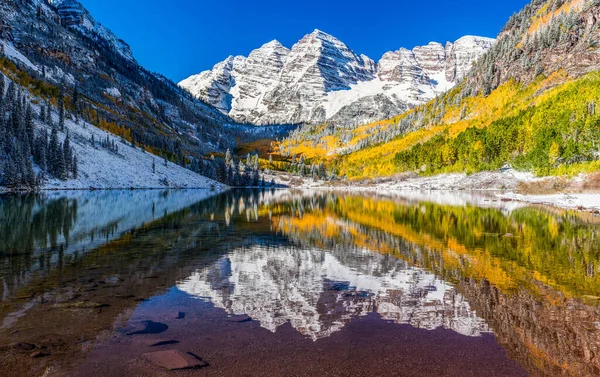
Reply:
x=182 y=37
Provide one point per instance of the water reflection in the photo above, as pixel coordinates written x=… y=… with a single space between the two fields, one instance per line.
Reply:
x=319 y=261
x=318 y=292
x=42 y=233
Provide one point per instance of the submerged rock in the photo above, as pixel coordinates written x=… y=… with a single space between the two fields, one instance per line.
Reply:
x=38 y=354
x=174 y=360
x=150 y=327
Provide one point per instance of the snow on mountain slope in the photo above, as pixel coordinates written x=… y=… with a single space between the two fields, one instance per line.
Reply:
x=12 y=53
x=320 y=79
x=129 y=167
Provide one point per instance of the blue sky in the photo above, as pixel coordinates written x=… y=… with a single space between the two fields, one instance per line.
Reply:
x=182 y=37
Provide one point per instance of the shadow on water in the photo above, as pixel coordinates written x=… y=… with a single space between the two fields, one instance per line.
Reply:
x=76 y=266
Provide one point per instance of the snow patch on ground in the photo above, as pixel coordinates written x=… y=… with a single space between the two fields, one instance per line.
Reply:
x=113 y=92
x=580 y=201
x=14 y=54
x=505 y=179
x=56 y=74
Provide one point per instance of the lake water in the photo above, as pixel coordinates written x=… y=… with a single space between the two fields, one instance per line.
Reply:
x=295 y=283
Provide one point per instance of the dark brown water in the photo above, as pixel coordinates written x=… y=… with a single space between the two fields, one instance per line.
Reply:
x=296 y=283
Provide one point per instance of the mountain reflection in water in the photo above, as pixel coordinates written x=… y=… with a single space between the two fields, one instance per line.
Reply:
x=318 y=291
x=322 y=264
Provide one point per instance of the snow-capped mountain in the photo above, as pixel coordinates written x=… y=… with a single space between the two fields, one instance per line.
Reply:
x=320 y=79
x=319 y=292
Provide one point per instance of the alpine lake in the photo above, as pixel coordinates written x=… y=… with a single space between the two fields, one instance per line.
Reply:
x=296 y=283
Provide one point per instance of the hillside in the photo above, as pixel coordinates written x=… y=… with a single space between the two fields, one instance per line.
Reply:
x=64 y=74
x=531 y=102
x=68 y=49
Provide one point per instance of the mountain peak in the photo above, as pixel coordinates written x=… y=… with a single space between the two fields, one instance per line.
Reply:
x=475 y=41
x=273 y=43
x=320 y=77
x=273 y=46
x=323 y=36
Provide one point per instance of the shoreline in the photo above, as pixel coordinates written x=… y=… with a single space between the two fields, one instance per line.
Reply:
x=503 y=185
x=580 y=201
x=56 y=189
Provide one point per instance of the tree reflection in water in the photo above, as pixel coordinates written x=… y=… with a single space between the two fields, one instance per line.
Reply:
x=314 y=260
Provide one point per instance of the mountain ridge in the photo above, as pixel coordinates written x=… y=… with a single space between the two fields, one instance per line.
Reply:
x=322 y=79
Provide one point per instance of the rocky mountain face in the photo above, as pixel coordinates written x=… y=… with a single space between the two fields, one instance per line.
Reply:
x=59 y=43
x=321 y=79
x=73 y=15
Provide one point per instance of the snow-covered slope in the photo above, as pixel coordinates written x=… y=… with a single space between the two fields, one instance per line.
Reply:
x=129 y=167
x=320 y=79
x=14 y=54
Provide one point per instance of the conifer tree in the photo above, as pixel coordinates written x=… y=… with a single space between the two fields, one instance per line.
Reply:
x=67 y=154
x=2 y=87
x=61 y=111
x=29 y=128
x=75 y=167
x=53 y=151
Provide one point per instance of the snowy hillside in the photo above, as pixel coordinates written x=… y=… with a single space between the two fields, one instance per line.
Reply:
x=320 y=79
x=130 y=167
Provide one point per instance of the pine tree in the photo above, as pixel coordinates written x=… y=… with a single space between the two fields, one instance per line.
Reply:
x=75 y=167
x=61 y=171
x=11 y=93
x=67 y=154
x=75 y=102
x=53 y=151
x=2 y=87
x=29 y=127
x=61 y=111
x=10 y=173
x=49 y=121
x=29 y=174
